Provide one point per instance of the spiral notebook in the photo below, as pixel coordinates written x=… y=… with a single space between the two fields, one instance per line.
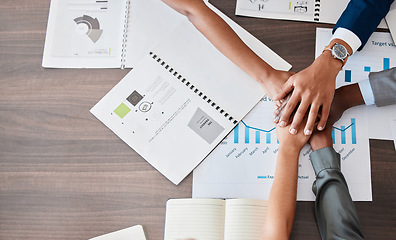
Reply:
x=104 y=33
x=322 y=11
x=181 y=100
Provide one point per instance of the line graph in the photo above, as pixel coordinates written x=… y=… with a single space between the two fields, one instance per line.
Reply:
x=257 y=132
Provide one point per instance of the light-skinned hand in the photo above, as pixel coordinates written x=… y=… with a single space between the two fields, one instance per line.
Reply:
x=293 y=143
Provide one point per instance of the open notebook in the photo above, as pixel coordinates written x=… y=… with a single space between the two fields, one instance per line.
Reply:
x=181 y=100
x=231 y=219
x=323 y=11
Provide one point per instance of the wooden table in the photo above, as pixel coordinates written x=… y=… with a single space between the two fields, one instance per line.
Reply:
x=64 y=175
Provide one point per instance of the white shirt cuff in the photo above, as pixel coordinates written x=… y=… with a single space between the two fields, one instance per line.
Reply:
x=348 y=37
x=367 y=92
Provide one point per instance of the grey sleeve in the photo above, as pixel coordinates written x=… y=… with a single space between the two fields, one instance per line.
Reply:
x=334 y=209
x=383 y=85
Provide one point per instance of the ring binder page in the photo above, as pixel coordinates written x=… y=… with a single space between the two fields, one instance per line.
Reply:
x=177 y=104
x=322 y=11
x=104 y=34
x=125 y=34
x=193 y=88
x=209 y=70
x=148 y=22
x=83 y=34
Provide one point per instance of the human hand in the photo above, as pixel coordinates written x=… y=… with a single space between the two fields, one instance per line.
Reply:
x=273 y=81
x=312 y=91
x=293 y=142
x=344 y=98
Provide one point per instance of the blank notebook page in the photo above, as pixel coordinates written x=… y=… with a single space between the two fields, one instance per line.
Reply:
x=198 y=219
x=244 y=219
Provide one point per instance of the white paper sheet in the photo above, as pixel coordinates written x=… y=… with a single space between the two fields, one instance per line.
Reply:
x=243 y=165
x=327 y=11
x=84 y=34
x=391 y=21
x=164 y=135
x=245 y=169
x=135 y=233
x=378 y=54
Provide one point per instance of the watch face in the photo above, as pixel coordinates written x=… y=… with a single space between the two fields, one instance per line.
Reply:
x=340 y=51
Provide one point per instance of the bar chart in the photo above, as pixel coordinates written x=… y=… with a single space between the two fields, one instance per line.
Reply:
x=259 y=135
x=378 y=54
x=362 y=68
x=341 y=132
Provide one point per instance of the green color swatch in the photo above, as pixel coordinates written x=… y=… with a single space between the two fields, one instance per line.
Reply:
x=122 y=110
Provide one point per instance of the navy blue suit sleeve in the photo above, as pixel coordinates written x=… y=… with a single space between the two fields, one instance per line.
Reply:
x=363 y=16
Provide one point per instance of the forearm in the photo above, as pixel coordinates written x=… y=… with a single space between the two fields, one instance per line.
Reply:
x=334 y=209
x=344 y=98
x=348 y=96
x=282 y=199
x=220 y=34
x=383 y=85
x=363 y=17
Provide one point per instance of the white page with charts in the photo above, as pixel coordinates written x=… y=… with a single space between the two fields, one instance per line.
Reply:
x=378 y=54
x=180 y=101
x=244 y=163
x=104 y=34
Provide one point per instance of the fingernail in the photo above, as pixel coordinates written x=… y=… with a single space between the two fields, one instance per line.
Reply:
x=276 y=119
x=320 y=128
x=293 y=131
x=282 y=124
x=276 y=111
x=307 y=132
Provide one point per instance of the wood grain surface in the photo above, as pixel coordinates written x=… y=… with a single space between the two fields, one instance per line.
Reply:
x=64 y=175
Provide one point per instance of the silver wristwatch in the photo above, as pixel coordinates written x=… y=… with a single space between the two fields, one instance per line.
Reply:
x=338 y=51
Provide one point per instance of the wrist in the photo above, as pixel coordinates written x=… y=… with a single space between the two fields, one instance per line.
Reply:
x=321 y=139
x=290 y=149
x=265 y=76
x=339 y=50
x=332 y=63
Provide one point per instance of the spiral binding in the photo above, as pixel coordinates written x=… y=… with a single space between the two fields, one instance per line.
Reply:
x=193 y=88
x=317 y=10
x=124 y=35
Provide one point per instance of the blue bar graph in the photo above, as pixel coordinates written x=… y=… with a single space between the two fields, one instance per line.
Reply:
x=268 y=140
x=257 y=137
x=343 y=129
x=386 y=63
x=236 y=134
x=246 y=135
x=353 y=130
x=367 y=69
x=343 y=140
x=348 y=76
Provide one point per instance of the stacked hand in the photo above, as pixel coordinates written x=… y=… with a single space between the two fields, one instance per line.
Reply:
x=312 y=92
x=344 y=98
